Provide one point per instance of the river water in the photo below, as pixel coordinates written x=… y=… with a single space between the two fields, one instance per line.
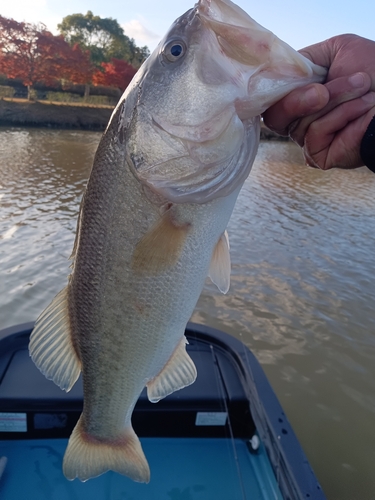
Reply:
x=302 y=291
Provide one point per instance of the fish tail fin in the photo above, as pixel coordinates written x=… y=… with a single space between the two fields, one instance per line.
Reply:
x=87 y=457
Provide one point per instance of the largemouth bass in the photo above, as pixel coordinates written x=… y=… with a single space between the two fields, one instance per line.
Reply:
x=152 y=224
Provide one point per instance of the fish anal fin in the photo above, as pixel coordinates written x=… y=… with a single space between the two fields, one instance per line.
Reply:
x=87 y=456
x=51 y=345
x=178 y=373
x=160 y=248
x=220 y=266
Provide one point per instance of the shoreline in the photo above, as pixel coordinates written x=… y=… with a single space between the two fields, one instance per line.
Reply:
x=23 y=113
x=54 y=115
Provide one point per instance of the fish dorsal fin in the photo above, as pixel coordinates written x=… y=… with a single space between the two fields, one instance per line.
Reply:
x=219 y=271
x=51 y=346
x=179 y=372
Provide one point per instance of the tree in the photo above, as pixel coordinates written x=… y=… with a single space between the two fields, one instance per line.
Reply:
x=103 y=37
x=139 y=55
x=117 y=73
x=19 y=50
x=80 y=69
x=31 y=53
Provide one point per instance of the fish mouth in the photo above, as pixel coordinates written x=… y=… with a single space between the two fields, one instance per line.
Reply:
x=239 y=36
x=242 y=39
x=269 y=67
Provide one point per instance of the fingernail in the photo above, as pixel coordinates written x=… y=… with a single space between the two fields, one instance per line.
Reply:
x=357 y=80
x=311 y=97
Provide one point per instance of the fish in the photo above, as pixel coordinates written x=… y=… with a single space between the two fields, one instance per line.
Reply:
x=152 y=224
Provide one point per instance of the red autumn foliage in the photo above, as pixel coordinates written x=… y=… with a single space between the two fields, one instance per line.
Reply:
x=79 y=69
x=116 y=73
x=32 y=54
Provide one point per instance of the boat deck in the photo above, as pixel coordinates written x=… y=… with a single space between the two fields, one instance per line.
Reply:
x=197 y=440
x=181 y=469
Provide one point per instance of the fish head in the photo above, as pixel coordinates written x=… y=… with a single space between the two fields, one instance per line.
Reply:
x=191 y=114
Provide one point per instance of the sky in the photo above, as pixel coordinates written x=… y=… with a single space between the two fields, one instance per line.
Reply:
x=299 y=23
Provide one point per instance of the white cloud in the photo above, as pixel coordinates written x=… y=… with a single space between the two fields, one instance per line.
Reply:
x=142 y=35
x=31 y=12
x=23 y=9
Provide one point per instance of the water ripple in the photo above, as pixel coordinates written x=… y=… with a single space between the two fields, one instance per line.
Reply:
x=302 y=292
x=43 y=175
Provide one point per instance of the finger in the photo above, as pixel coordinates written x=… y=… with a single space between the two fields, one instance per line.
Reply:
x=352 y=158
x=333 y=140
x=297 y=104
x=343 y=151
x=340 y=90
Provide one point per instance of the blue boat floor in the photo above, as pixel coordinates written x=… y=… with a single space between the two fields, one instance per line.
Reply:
x=181 y=469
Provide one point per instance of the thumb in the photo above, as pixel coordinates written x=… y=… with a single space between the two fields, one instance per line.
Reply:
x=320 y=53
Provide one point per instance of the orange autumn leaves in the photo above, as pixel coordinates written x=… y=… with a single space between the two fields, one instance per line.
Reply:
x=117 y=73
x=30 y=53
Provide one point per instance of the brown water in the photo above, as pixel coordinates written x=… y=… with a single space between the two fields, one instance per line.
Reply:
x=302 y=293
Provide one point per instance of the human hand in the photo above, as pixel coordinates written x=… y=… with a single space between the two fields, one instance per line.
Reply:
x=328 y=121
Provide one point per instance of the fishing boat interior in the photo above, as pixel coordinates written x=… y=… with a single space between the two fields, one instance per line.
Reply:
x=225 y=437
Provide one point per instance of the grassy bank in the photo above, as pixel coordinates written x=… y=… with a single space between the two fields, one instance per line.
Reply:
x=21 y=113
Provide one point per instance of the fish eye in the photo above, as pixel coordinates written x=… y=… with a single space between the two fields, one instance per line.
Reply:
x=174 y=50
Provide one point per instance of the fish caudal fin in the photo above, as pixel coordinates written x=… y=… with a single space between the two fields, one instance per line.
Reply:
x=51 y=346
x=178 y=373
x=220 y=266
x=87 y=457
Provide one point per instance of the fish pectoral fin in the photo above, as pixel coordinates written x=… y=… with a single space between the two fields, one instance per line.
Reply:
x=219 y=271
x=87 y=457
x=161 y=246
x=178 y=373
x=51 y=346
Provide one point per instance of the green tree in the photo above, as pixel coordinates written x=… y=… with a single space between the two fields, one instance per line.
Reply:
x=103 y=37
